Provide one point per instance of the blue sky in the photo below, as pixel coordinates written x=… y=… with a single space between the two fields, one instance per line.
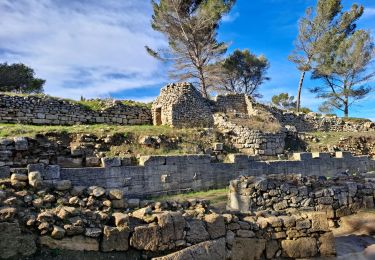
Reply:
x=96 y=48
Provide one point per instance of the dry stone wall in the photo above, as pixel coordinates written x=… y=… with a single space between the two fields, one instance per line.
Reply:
x=251 y=141
x=158 y=175
x=338 y=196
x=36 y=215
x=53 y=111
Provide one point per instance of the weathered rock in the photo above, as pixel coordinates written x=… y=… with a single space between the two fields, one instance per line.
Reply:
x=146 y=237
x=196 y=232
x=116 y=194
x=115 y=239
x=7 y=213
x=76 y=243
x=248 y=248
x=93 y=232
x=272 y=246
x=215 y=225
x=35 y=180
x=63 y=185
x=300 y=248
x=121 y=219
x=13 y=243
x=208 y=250
x=108 y=162
x=57 y=232
x=327 y=244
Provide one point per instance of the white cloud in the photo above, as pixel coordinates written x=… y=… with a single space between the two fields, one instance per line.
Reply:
x=85 y=47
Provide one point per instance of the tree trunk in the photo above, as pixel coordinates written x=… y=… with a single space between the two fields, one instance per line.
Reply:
x=300 y=90
x=203 y=84
x=346 y=107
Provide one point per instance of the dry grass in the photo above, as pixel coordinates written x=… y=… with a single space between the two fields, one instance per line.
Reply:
x=262 y=122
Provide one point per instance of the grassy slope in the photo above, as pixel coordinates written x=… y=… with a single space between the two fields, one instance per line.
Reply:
x=333 y=138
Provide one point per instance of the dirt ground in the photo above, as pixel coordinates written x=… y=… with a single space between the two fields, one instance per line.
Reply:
x=355 y=239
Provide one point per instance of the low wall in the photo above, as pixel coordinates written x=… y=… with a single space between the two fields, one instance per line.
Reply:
x=95 y=220
x=338 y=196
x=251 y=141
x=158 y=175
x=53 y=111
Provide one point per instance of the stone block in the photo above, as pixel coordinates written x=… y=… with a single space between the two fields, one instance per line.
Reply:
x=115 y=239
x=346 y=155
x=66 y=162
x=4 y=172
x=302 y=156
x=248 y=248
x=92 y=162
x=324 y=156
x=327 y=244
x=152 y=160
x=75 y=243
x=300 y=248
x=21 y=144
x=108 y=162
x=51 y=172
x=214 y=249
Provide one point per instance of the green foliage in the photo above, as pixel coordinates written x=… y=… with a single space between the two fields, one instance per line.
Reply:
x=19 y=78
x=242 y=72
x=191 y=29
x=305 y=110
x=284 y=101
x=343 y=65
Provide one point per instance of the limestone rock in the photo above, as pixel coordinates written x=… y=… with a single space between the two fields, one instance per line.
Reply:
x=146 y=238
x=116 y=194
x=115 y=239
x=300 y=248
x=196 y=232
x=208 y=250
x=215 y=225
x=76 y=243
x=63 y=185
x=327 y=244
x=35 y=180
x=57 y=232
x=248 y=248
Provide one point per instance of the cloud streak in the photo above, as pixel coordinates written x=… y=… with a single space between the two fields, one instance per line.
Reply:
x=78 y=46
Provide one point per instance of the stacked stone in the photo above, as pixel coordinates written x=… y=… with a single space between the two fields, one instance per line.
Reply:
x=337 y=196
x=181 y=105
x=46 y=110
x=230 y=103
x=96 y=219
x=251 y=141
x=75 y=150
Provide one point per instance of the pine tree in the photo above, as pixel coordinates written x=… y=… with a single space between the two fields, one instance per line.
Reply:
x=191 y=29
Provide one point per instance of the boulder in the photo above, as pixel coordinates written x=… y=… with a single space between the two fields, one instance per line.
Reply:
x=121 y=219
x=115 y=239
x=300 y=248
x=7 y=213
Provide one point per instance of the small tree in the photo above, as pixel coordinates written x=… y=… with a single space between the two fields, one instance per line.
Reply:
x=191 y=29
x=284 y=101
x=242 y=72
x=344 y=71
x=19 y=78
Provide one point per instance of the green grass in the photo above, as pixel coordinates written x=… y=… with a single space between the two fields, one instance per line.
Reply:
x=189 y=139
x=217 y=198
x=333 y=138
